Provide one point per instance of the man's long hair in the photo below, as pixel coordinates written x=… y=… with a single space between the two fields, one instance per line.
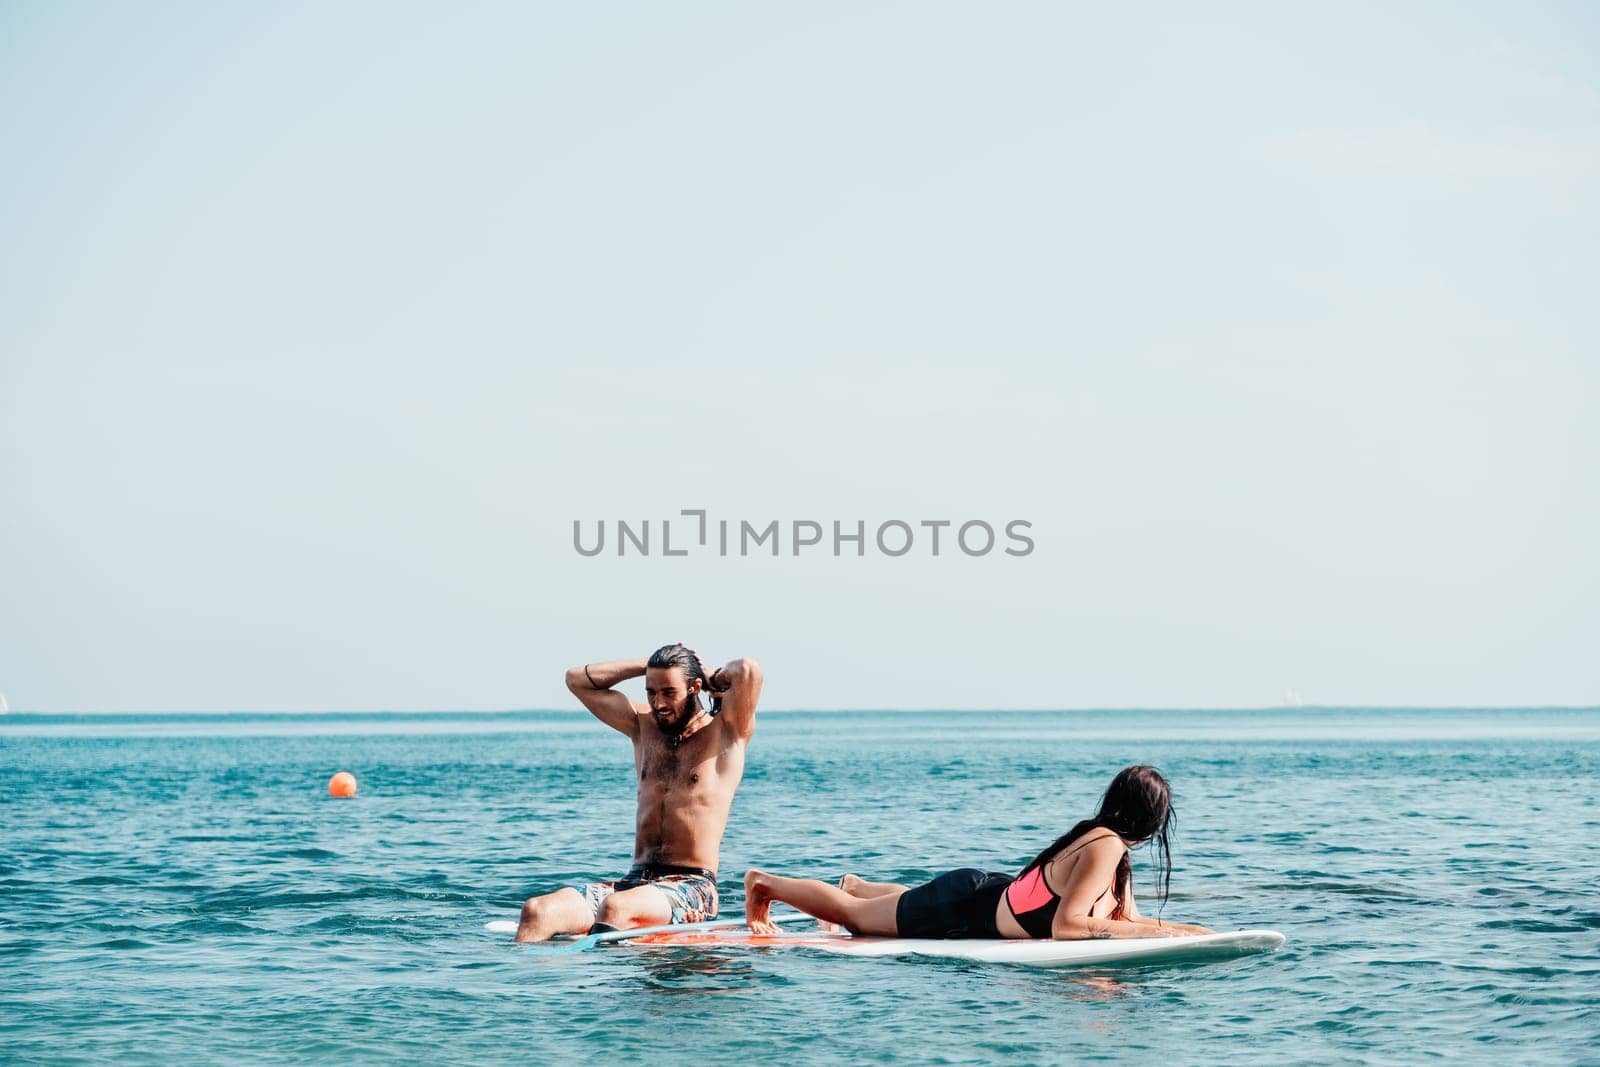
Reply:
x=682 y=656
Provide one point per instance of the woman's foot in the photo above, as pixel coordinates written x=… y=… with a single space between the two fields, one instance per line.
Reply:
x=758 y=904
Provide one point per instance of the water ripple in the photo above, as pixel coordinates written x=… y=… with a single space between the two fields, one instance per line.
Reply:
x=167 y=897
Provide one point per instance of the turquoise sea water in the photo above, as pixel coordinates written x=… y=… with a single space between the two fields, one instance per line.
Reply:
x=181 y=889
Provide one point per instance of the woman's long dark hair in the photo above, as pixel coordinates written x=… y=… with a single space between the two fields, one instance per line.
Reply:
x=1137 y=806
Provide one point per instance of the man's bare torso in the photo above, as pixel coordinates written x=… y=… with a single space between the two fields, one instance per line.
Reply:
x=685 y=793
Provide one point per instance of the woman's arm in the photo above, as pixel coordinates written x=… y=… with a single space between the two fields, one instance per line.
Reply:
x=1094 y=868
x=1162 y=927
x=1130 y=911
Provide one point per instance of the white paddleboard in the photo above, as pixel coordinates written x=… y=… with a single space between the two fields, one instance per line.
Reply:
x=1046 y=953
x=1028 y=953
x=730 y=933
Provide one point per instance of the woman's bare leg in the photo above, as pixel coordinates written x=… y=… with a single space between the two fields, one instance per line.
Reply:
x=857 y=886
x=874 y=915
x=861 y=889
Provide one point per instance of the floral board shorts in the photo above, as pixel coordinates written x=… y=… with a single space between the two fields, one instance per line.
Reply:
x=692 y=891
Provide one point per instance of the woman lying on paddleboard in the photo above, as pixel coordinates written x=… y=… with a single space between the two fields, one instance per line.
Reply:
x=1079 y=887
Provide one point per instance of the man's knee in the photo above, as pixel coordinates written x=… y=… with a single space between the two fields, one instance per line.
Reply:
x=629 y=909
x=613 y=912
x=551 y=905
x=562 y=912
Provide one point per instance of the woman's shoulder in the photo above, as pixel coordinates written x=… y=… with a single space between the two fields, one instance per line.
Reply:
x=1099 y=842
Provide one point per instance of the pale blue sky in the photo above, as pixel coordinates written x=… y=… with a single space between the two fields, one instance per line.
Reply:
x=319 y=324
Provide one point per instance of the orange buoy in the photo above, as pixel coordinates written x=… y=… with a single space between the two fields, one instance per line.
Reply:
x=342 y=784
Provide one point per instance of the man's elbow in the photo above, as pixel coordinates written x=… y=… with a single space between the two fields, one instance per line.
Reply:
x=577 y=679
x=747 y=671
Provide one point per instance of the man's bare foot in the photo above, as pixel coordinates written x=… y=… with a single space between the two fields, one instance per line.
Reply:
x=758 y=904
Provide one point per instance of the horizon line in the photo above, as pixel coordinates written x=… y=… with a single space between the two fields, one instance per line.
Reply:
x=818 y=710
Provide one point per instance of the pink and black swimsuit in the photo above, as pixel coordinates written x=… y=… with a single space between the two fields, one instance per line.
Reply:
x=1033 y=902
x=963 y=903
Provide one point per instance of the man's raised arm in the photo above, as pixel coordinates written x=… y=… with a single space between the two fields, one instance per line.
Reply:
x=592 y=682
x=738 y=683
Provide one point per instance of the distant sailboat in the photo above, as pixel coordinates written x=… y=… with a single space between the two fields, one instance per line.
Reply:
x=4 y=707
x=1291 y=699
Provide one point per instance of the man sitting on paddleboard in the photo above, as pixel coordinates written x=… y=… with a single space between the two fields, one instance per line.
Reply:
x=1081 y=886
x=690 y=760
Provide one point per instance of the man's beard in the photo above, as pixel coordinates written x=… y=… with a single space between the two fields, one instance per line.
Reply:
x=686 y=715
